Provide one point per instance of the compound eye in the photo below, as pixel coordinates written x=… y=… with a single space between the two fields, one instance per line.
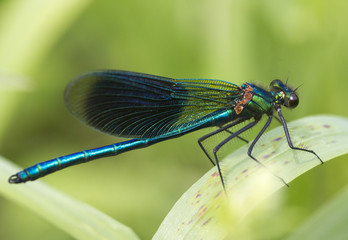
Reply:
x=276 y=85
x=293 y=100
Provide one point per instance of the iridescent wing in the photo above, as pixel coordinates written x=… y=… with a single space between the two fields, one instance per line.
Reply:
x=136 y=105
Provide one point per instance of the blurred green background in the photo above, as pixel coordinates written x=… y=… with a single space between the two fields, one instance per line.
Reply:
x=45 y=44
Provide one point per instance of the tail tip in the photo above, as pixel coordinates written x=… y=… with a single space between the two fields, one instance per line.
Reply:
x=14 y=179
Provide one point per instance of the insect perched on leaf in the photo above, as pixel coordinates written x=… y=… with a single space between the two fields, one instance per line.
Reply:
x=152 y=109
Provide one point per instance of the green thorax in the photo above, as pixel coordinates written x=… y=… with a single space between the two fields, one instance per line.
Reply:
x=256 y=101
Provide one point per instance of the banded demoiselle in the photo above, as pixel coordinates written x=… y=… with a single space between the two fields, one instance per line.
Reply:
x=152 y=109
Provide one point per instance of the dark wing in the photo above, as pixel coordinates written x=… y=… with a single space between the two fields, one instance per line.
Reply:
x=136 y=105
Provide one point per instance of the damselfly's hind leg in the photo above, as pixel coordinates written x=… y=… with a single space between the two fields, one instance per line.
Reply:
x=229 y=138
x=221 y=129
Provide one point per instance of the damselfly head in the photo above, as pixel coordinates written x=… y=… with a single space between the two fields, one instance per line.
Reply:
x=284 y=94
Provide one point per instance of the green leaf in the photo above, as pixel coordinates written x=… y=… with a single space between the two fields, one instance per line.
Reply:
x=76 y=218
x=330 y=222
x=204 y=211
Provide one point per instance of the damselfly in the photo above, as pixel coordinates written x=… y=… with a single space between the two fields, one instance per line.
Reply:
x=152 y=109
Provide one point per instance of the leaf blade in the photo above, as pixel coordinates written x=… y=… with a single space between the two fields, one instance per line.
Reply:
x=208 y=214
x=74 y=217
